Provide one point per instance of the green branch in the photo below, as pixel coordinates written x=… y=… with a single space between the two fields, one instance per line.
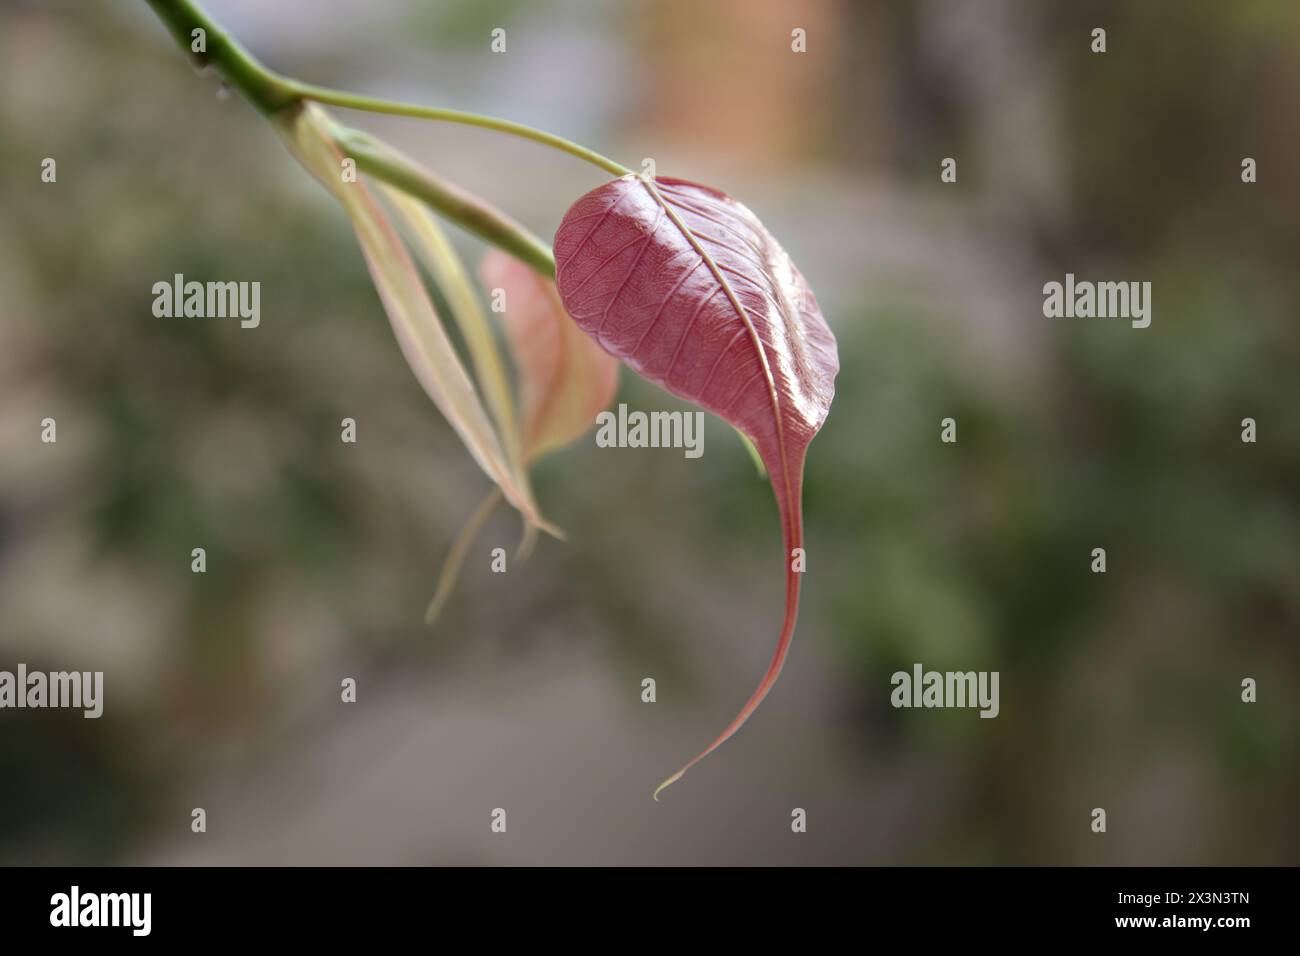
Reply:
x=269 y=91
x=266 y=90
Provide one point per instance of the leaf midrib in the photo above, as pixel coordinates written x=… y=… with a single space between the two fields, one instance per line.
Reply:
x=792 y=510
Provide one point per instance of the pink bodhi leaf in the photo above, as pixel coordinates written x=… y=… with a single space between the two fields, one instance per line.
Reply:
x=687 y=287
x=565 y=380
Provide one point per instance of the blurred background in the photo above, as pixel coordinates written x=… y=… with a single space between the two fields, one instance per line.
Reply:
x=1118 y=690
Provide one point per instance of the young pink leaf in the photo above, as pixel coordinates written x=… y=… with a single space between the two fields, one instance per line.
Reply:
x=565 y=380
x=687 y=287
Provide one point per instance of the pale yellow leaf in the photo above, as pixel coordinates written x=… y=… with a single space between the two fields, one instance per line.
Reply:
x=435 y=250
x=424 y=342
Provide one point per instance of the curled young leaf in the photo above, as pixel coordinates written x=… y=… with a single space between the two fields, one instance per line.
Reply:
x=686 y=285
x=309 y=133
x=450 y=276
x=565 y=380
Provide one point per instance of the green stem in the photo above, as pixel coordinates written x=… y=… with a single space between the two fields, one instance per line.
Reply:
x=484 y=220
x=269 y=91
x=356 y=101
x=266 y=90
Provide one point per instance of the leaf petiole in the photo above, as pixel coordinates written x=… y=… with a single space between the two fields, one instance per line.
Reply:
x=369 y=104
x=269 y=91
